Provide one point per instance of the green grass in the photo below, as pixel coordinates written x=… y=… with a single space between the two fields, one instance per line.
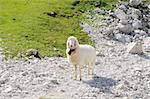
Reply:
x=25 y=24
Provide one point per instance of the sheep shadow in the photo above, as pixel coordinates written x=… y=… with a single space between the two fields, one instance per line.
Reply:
x=104 y=84
x=145 y=56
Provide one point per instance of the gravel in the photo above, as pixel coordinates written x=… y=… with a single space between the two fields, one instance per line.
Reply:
x=118 y=75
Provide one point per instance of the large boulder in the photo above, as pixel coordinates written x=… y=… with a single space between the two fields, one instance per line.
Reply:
x=136 y=13
x=135 y=48
x=122 y=38
x=137 y=24
x=125 y=28
x=141 y=33
x=135 y=3
x=121 y=14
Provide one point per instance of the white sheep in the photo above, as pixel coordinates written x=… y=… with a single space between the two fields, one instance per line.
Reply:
x=79 y=55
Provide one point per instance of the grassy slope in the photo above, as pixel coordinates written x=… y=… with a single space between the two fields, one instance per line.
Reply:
x=24 y=24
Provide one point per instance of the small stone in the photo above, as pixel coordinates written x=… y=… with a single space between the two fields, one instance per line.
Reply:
x=3 y=81
x=135 y=48
x=113 y=15
x=62 y=90
x=136 y=37
x=52 y=14
x=55 y=82
x=33 y=52
x=121 y=86
x=149 y=32
x=24 y=73
x=8 y=89
x=146 y=45
x=99 y=11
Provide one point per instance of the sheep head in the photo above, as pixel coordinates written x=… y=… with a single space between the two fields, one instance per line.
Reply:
x=72 y=43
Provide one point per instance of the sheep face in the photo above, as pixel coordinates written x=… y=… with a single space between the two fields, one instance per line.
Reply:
x=72 y=43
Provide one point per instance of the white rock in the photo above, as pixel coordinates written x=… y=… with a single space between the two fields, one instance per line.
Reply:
x=125 y=28
x=137 y=24
x=135 y=3
x=122 y=7
x=122 y=38
x=136 y=37
x=141 y=32
x=124 y=22
x=121 y=14
x=146 y=45
x=8 y=89
x=135 y=13
x=127 y=39
x=135 y=48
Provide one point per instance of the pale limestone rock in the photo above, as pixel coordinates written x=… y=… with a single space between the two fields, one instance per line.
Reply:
x=135 y=48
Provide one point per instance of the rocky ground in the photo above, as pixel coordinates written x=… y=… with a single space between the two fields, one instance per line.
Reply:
x=118 y=74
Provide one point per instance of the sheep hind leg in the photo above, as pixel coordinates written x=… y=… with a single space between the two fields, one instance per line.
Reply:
x=91 y=69
x=88 y=69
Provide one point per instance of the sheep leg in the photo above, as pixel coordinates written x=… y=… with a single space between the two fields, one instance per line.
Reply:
x=91 y=69
x=80 y=72
x=88 y=69
x=75 y=72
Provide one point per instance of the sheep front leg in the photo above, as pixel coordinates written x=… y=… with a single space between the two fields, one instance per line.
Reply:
x=80 y=72
x=75 y=72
